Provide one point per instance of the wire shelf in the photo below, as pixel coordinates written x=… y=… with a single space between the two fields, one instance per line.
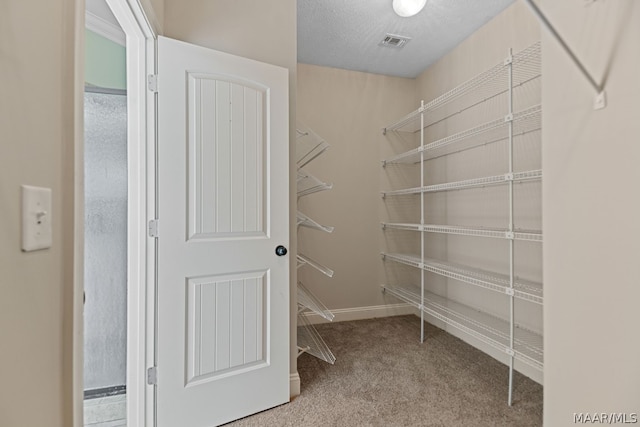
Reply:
x=311 y=302
x=487 y=85
x=469 y=183
x=309 y=184
x=523 y=289
x=310 y=341
x=305 y=221
x=305 y=260
x=309 y=145
x=525 y=121
x=496 y=233
x=485 y=327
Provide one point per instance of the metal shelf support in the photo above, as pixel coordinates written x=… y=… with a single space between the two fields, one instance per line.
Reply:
x=600 y=100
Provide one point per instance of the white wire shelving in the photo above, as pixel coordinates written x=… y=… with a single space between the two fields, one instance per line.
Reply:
x=469 y=183
x=523 y=289
x=310 y=341
x=309 y=184
x=487 y=328
x=304 y=221
x=305 y=260
x=468 y=106
x=310 y=302
x=496 y=233
x=310 y=145
x=524 y=122
x=524 y=66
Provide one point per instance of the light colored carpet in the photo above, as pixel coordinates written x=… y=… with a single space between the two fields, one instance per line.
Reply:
x=383 y=376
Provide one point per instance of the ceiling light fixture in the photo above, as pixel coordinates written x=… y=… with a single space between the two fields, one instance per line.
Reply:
x=406 y=8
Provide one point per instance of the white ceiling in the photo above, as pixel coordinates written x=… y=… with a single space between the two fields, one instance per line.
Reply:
x=346 y=33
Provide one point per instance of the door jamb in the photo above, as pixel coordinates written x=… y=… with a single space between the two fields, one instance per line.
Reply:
x=141 y=130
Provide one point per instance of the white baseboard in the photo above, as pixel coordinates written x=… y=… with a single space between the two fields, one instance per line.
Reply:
x=360 y=313
x=294 y=385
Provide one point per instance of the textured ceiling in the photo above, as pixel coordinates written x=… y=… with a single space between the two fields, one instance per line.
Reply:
x=346 y=33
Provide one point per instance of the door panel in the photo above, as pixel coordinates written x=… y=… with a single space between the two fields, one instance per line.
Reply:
x=226 y=320
x=223 y=294
x=227 y=154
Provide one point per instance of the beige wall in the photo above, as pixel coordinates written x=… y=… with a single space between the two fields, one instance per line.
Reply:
x=515 y=27
x=264 y=31
x=348 y=109
x=591 y=211
x=36 y=289
x=154 y=10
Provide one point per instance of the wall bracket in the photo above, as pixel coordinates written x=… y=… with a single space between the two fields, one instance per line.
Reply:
x=600 y=101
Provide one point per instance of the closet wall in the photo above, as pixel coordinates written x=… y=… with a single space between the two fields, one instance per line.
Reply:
x=591 y=210
x=349 y=109
x=37 y=122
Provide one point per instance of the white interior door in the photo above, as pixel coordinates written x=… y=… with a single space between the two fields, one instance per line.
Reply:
x=223 y=293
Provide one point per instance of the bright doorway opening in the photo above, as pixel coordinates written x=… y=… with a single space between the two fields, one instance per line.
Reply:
x=105 y=219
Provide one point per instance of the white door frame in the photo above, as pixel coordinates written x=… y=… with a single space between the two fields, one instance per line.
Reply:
x=141 y=136
x=140 y=54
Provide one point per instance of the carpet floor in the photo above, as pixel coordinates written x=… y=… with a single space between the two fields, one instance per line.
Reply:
x=383 y=376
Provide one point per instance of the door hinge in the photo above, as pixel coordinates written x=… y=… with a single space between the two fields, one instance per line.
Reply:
x=152 y=376
x=153 y=228
x=152 y=82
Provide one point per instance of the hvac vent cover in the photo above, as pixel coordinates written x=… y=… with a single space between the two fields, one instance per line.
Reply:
x=394 y=40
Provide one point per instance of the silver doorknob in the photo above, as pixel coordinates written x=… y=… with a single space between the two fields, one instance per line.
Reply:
x=281 y=250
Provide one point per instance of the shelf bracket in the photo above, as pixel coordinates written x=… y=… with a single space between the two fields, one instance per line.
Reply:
x=600 y=101
x=302 y=350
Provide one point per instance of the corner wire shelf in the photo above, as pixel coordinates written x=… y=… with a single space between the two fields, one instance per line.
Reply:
x=524 y=122
x=496 y=233
x=309 y=184
x=310 y=341
x=310 y=302
x=485 y=327
x=308 y=145
x=305 y=260
x=469 y=183
x=526 y=66
x=304 y=221
x=522 y=289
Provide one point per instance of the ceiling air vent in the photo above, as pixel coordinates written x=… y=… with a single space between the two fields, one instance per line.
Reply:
x=393 y=40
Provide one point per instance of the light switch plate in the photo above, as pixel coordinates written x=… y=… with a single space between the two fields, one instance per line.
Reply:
x=36 y=218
